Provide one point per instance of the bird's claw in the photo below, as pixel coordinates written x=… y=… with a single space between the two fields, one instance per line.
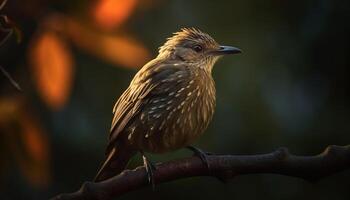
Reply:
x=201 y=154
x=150 y=168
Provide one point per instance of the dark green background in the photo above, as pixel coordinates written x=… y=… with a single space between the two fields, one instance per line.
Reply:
x=289 y=88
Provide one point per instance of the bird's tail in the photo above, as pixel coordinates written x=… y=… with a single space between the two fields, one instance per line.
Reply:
x=115 y=162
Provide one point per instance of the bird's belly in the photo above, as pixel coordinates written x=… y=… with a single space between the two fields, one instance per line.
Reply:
x=169 y=141
x=175 y=134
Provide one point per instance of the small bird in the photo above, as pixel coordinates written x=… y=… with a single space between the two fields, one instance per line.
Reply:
x=168 y=104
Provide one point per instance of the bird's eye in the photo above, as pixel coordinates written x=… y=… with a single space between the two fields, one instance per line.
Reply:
x=198 y=48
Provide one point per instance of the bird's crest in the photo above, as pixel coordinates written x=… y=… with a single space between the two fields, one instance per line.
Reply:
x=189 y=34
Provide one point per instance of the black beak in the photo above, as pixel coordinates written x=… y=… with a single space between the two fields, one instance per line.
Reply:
x=223 y=50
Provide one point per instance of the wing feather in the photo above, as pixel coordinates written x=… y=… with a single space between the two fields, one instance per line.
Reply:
x=146 y=83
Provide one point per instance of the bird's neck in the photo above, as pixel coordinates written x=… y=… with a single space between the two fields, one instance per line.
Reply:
x=205 y=65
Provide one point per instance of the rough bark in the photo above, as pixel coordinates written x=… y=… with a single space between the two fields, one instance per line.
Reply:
x=311 y=168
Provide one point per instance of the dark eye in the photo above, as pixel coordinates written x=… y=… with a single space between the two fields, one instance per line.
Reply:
x=198 y=48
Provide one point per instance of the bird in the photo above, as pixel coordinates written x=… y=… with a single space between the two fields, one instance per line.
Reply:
x=168 y=104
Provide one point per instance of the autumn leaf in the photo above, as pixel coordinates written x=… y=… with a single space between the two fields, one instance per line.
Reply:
x=109 y=14
x=118 y=49
x=24 y=141
x=52 y=68
x=36 y=165
x=123 y=50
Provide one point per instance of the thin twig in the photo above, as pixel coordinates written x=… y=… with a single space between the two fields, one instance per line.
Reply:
x=9 y=32
x=2 y=5
x=12 y=81
x=312 y=168
x=13 y=29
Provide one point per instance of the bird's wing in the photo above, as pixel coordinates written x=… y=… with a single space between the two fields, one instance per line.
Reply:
x=152 y=80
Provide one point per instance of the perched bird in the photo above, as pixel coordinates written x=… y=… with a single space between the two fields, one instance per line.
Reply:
x=168 y=104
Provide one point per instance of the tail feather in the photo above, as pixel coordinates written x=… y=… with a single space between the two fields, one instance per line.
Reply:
x=116 y=161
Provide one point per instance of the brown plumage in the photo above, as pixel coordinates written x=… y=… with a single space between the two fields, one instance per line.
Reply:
x=169 y=102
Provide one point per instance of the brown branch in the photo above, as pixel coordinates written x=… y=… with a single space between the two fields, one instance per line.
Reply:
x=311 y=168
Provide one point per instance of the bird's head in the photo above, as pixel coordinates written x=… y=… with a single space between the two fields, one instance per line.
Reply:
x=195 y=47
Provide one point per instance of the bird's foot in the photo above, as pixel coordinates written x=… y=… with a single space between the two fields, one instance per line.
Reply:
x=150 y=168
x=201 y=154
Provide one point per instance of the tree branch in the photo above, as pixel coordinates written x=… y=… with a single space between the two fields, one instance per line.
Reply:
x=311 y=168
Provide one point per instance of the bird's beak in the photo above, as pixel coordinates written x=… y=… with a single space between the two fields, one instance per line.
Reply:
x=223 y=50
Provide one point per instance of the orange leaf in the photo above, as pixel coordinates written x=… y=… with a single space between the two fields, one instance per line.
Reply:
x=52 y=65
x=109 y=14
x=117 y=49
x=35 y=162
x=123 y=50
x=24 y=141
x=35 y=141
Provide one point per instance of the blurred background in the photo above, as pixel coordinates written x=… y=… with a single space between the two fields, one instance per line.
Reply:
x=73 y=59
